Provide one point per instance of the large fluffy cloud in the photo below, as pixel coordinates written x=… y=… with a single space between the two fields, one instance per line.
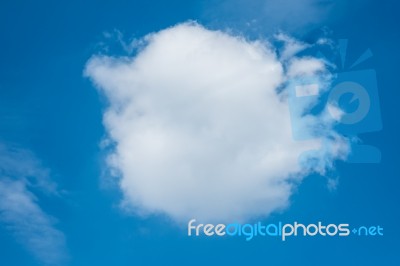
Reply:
x=199 y=129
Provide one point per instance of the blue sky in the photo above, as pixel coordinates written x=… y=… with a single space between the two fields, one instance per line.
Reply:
x=51 y=128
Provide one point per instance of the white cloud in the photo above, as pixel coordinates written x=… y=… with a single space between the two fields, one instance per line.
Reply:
x=20 y=211
x=291 y=46
x=199 y=129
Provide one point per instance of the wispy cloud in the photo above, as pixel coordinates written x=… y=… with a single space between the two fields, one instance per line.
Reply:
x=18 y=163
x=20 y=211
x=298 y=17
x=269 y=15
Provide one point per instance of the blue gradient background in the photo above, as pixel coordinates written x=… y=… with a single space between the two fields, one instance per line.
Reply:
x=48 y=107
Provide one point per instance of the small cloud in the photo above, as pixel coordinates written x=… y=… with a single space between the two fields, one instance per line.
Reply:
x=332 y=184
x=128 y=46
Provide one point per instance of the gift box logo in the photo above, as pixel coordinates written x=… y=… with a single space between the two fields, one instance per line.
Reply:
x=355 y=93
